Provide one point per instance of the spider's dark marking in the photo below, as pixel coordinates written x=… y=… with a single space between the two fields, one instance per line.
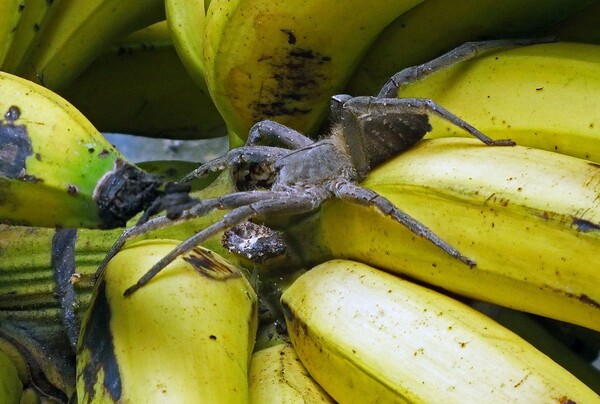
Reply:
x=299 y=174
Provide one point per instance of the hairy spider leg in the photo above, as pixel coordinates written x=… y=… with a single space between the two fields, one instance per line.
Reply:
x=247 y=154
x=417 y=106
x=363 y=196
x=291 y=203
x=201 y=208
x=271 y=133
x=461 y=53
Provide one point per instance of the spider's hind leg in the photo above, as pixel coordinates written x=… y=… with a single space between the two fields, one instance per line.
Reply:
x=461 y=53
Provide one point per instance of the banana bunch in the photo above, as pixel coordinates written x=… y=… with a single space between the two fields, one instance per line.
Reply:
x=186 y=337
x=139 y=86
x=68 y=35
x=368 y=336
x=56 y=169
x=529 y=218
x=541 y=96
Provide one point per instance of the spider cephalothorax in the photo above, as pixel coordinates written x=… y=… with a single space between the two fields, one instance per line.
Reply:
x=300 y=174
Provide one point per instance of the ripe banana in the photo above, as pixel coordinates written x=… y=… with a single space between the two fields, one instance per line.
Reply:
x=56 y=169
x=276 y=375
x=11 y=387
x=543 y=96
x=201 y=315
x=134 y=86
x=369 y=336
x=283 y=60
x=74 y=33
x=410 y=39
x=529 y=218
x=32 y=15
x=10 y=15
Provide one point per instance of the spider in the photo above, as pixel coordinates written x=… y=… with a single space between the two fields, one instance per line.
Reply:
x=302 y=173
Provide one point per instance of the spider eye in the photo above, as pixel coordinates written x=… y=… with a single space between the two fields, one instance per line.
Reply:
x=337 y=103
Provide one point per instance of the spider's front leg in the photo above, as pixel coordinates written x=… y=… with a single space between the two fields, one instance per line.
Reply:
x=271 y=133
x=272 y=203
x=363 y=196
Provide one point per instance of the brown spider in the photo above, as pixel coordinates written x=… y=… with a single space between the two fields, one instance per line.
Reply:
x=302 y=173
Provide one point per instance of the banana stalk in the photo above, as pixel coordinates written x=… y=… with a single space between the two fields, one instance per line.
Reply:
x=529 y=218
x=541 y=96
x=410 y=40
x=56 y=169
x=133 y=88
x=373 y=337
x=284 y=60
x=74 y=33
x=276 y=375
x=201 y=314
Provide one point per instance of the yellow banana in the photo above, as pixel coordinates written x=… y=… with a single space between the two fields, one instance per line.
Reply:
x=185 y=337
x=56 y=169
x=542 y=96
x=529 y=218
x=134 y=86
x=369 y=336
x=284 y=60
x=276 y=375
x=530 y=330
x=411 y=39
x=32 y=16
x=10 y=384
x=74 y=33
x=10 y=15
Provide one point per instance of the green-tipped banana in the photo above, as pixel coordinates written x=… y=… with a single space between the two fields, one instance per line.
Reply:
x=11 y=387
x=139 y=86
x=529 y=218
x=74 y=33
x=56 y=169
x=277 y=376
x=368 y=336
x=436 y=26
x=31 y=19
x=542 y=96
x=187 y=336
x=284 y=60
x=10 y=15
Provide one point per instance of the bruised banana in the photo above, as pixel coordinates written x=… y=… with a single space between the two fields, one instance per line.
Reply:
x=276 y=375
x=369 y=336
x=10 y=15
x=284 y=60
x=32 y=16
x=74 y=33
x=529 y=218
x=542 y=96
x=139 y=86
x=187 y=336
x=56 y=169
x=410 y=40
x=11 y=387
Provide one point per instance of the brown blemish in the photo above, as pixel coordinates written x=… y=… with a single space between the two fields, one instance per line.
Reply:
x=72 y=189
x=210 y=265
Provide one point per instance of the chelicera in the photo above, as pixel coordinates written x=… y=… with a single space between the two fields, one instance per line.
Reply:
x=300 y=173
